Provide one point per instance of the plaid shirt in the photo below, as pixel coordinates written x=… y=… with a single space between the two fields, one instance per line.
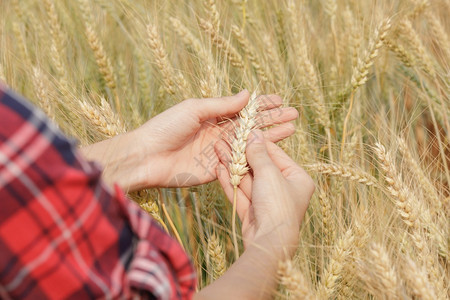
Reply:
x=66 y=235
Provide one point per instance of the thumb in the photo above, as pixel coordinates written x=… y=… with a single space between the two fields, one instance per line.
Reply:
x=206 y=109
x=257 y=155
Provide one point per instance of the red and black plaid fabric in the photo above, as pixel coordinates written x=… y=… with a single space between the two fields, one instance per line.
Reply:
x=66 y=235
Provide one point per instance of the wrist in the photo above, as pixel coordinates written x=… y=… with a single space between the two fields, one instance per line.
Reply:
x=281 y=239
x=123 y=159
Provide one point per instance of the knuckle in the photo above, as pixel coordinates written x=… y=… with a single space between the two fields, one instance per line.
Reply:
x=290 y=127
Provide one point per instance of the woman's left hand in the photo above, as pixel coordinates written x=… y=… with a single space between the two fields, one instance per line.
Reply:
x=176 y=148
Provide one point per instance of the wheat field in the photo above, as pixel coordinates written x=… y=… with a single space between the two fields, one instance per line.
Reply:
x=370 y=79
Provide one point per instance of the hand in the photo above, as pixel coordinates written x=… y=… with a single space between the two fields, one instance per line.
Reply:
x=272 y=199
x=179 y=143
x=271 y=203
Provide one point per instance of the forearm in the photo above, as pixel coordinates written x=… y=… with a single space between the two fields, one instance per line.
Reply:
x=253 y=275
x=122 y=162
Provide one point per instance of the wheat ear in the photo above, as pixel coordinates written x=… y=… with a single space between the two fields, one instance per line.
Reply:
x=238 y=164
x=343 y=171
x=333 y=272
x=425 y=183
x=309 y=75
x=208 y=86
x=171 y=78
x=401 y=194
x=273 y=60
x=379 y=273
x=251 y=53
x=328 y=226
x=438 y=32
x=361 y=72
x=217 y=256
x=406 y=58
x=222 y=44
x=101 y=58
x=211 y=10
x=408 y=207
x=293 y=280
x=407 y=31
x=103 y=118
x=417 y=280
x=151 y=207
x=41 y=82
x=58 y=45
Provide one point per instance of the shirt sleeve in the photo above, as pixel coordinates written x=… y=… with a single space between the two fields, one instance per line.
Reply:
x=63 y=233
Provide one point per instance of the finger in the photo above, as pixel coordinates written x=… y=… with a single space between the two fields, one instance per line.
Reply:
x=276 y=116
x=266 y=102
x=263 y=119
x=223 y=151
x=257 y=156
x=274 y=134
x=242 y=201
x=287 y=166
x=280 y=132
x=246 y=185
x=211 y=108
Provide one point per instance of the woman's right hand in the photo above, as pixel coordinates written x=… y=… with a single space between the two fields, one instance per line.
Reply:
x=273 y=198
